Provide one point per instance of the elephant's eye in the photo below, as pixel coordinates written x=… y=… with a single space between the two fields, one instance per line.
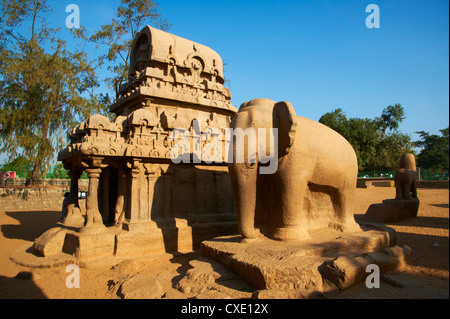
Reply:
x=250 y=165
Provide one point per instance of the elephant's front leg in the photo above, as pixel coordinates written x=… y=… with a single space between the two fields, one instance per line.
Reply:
x=289 y=218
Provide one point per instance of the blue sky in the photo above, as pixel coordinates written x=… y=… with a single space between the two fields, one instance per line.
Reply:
x=317 y=54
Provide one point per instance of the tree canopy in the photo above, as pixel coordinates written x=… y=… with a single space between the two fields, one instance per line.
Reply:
x=45 y=88
x=435 y=150
x=377 y=142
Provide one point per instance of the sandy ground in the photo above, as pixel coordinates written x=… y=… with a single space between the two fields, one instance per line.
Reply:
x=425 y=276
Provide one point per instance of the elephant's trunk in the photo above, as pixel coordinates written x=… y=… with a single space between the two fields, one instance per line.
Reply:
x=244 y=189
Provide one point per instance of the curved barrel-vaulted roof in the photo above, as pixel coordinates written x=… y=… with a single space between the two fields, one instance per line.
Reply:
x=157 y=45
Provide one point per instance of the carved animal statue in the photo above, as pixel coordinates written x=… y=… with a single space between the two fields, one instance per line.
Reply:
x=405 y=178
x=312 y=159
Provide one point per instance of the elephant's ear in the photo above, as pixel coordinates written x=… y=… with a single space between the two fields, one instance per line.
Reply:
x=285 y=120
x=243 y=105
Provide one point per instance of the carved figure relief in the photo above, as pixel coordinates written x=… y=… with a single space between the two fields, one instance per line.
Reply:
x=141 y=55
x=196 y=69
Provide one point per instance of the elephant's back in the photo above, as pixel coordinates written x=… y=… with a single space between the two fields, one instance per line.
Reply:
x=326 y=141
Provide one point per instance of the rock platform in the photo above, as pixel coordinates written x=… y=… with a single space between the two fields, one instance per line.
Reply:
x=327 y=262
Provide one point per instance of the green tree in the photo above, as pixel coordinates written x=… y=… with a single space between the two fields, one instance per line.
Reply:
x=59 y=172
x=377 y=142
x=21 y=165
x=117 y=37
x=435 y=150
x=44 y=88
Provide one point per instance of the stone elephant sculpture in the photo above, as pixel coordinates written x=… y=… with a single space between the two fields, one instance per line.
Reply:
x=405 y=178
x=314 y=163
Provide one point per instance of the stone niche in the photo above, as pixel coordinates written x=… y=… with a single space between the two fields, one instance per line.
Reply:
x=140 y=201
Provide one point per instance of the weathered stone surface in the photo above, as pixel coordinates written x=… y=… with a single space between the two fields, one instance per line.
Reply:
x=31 y=198
x=346 y=271
x=296 y=266
x=196 y=281
x=139 y=243
x=405 y=178
x=162 y=160
x=141 y=286
x=74 y=218
x=26 y=256
x=212 y=294
x=287 y=294
x=203 y=275
x=392 y=210
x=50 y=242
x=307 y=181
x=406 y=203
x=87 y=246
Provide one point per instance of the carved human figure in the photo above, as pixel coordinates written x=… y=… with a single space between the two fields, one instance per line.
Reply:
x=141 y=55
x=196 y=69
x=310 y=155
x=405 y=178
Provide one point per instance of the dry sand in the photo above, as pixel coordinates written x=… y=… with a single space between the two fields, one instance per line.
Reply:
x=426 y=275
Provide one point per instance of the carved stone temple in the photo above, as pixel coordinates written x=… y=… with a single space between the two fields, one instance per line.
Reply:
x=139 y=201
x=159 y=182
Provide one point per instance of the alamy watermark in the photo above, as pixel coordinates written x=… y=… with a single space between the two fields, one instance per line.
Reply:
x=373 y=19
x=73 y=19
x=73 y=279
x=241 y=146
x=373 y=279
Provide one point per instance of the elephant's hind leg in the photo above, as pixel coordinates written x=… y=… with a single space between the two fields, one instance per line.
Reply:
x=343 y=202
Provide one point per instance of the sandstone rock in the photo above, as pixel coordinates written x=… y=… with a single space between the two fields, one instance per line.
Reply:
x=346 y=271
x=50 y=242
x=87 y=246
x=141 y=286
x=212 y=294
x=195 y=281
x=203 y=276
x=275 y=265
x=287 y=294
x=392 y=210
x=128 y=266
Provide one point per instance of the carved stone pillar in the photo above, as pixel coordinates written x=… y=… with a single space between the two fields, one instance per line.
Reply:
x=135 y=190
x=73 y=197
x=93 y=216
x=132 y=222
x=74 y=217
x=150 y=170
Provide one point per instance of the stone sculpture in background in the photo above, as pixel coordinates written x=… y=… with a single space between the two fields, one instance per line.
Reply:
x=405 y=178
x=406 y=204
